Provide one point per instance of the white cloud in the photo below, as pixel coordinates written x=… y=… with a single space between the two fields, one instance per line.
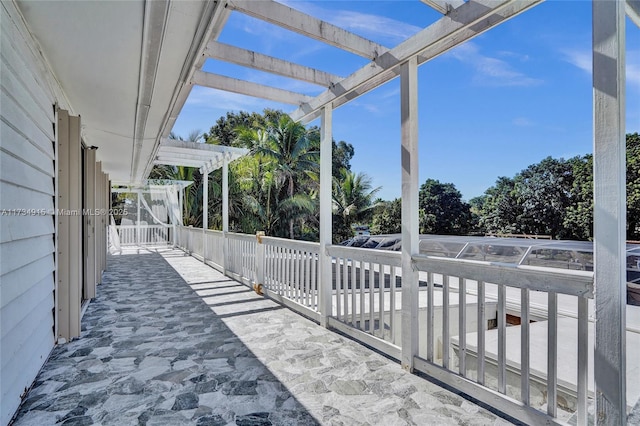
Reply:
x=522 y=122
x=582 y=58
x=374 y=27
x=491 y=71
x=578 y=58
x=213 y=99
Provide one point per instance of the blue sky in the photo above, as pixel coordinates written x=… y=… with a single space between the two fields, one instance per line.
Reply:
x=507 y=99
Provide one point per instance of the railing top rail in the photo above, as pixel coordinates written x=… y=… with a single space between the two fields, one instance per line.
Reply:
x=307 y=246
x=392 y=258
x=213 y=232
x=575 y=283
x=243 y=237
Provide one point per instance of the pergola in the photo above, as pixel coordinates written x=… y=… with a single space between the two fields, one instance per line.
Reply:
x=206 y=158
x=460 y=22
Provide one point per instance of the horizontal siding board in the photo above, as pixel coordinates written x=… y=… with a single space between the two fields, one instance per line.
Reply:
x=19 y=339
x=14 y=116
x=13 y=283
x=15 y=197
x=17 y=65
x=19 y=373
x=22 y=227
x=14 y=88
x=28 y=91
x=17 y=145
x=16 y=254
x=13 y=170
x=15 y=316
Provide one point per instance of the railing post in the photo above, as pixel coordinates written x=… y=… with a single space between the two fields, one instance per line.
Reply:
x=326 y=231
x=609 y=216
x=410 y=229
x=260 y=262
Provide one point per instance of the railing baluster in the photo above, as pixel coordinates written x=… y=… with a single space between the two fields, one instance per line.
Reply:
x=307 y=279
x=345 y=290
x=552 y=354
x=583 y=358
x=482 y=324
x=298 y=264
x=524 y=346
x=314 y=282
x=353 y=293
x=430 y=317
x=462 y=323
x=502 y=339
x=392 y=302
x=361 y=263
x=337 y=283
x=372 y=286
x=381 y=285
x=445 y=321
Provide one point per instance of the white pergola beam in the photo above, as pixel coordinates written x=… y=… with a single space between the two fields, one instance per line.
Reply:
x=199 y=147
x=250 y=59
x=633 y=11
x=221 y=82
x=442 y=6
x=177 y=162
x=610 y=210
x=293 y=20
x=463 y=23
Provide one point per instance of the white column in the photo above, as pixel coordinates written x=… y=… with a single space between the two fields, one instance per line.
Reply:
x=225 y=210
x=326 y=231
x=609 y=169
x=205 y=214
x=410 y=230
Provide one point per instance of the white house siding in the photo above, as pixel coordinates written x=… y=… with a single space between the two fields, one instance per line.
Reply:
x=27 y=173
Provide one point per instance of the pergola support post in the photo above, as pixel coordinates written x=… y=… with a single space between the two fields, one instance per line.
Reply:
x=138 y=218
x=609 y=167
x=410 y=229
x=326 y=231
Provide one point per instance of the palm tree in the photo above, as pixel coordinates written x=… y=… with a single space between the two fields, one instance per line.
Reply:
x=353 y=202
x=287 y=143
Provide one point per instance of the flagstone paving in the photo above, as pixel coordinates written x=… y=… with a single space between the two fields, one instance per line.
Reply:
x=170 y=341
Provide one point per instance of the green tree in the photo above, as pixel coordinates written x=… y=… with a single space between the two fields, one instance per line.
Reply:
x=286 y=146
x=387 y=217
x=353 y=202
x=633 y=186
x=444 y=212
x=544 y=192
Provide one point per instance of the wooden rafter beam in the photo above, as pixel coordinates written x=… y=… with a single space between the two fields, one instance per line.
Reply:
x=178 y=162
x=443 y=6
x=461 y=24
x=248 y=58
x=248 y=88
x=293 y=20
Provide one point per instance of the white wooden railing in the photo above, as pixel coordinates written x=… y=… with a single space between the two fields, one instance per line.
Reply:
x=463 y=311
x=143 y=234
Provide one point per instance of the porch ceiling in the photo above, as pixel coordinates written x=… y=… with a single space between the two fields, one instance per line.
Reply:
x=128 y=66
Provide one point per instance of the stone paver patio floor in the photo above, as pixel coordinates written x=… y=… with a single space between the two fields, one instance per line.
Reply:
x=170 y=341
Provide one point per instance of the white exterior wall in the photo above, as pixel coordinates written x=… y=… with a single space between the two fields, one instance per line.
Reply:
x=27 y=172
